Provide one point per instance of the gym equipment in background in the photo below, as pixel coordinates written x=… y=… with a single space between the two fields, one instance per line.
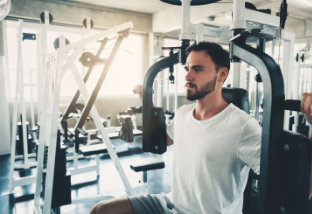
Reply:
x=302 y=83
x=5 y=7
x=61 y=191
x=23 y=133
x=59 y=62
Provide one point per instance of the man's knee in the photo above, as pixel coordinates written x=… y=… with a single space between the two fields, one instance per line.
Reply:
x=122 y=206
x=94 y=210
x=103 y=207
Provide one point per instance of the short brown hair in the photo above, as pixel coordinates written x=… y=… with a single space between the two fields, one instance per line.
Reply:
x=219 y=56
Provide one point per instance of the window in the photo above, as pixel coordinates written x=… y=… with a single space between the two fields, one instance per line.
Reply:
x=125 y=71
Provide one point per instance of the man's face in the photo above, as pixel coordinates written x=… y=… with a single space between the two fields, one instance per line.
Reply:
x=201 y=75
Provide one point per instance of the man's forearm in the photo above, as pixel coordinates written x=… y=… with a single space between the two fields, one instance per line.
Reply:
x=310 y=195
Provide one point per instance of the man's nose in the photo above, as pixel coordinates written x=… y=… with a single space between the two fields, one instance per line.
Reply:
x=189 y=76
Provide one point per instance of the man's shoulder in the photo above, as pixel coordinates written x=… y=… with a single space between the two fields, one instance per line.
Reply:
x=237 y=111
x=242 y=117
x=185 y=108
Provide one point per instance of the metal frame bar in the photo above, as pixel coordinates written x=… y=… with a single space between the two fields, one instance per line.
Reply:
x=43 y=106
x=51 y=140
x=44 y=134
x=272 y=118
x=49 y=118
x=148 y=99
x=90 y=100
x=85 y=79
x=19 y=107
x=102 y=130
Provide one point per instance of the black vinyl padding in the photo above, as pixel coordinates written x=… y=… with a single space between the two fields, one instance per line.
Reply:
x=93 y=149
x=237 y=96
x=147 y=164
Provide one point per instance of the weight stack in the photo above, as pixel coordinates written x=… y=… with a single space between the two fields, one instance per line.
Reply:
x=127 y=130
x=61 y=183
x=302 y=128
x=20 y=139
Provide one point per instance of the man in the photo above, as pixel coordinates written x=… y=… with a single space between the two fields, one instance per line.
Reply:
x=216 y=144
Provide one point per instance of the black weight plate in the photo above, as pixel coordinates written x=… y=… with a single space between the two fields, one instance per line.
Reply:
x=56 y=43
x=193 y=2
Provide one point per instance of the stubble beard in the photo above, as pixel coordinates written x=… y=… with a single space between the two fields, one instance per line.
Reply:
x=203 y=91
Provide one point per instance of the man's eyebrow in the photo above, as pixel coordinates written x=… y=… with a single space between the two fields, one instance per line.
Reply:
x=197 y=66
x=194 y=67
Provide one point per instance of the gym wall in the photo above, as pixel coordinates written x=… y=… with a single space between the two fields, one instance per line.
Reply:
x=64 y=12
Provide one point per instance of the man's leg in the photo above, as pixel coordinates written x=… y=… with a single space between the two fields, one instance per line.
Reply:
x=114 y=206
x=140 y=204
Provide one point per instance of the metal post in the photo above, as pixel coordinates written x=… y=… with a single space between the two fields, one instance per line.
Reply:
x=92 y=98
x=96 y=118
x=85 y=79
x=186 y=25
x=5 y=120
x=239 y=21
x=287 y=69
x=236 y=74
x=15 y=111
x=53 y=132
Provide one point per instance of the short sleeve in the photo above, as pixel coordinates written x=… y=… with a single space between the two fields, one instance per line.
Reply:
x=170 y=129
x=249 y=145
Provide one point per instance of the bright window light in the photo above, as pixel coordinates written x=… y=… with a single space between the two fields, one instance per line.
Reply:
x=125 y=73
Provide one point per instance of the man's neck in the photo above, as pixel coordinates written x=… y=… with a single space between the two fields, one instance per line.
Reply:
x=209 y=106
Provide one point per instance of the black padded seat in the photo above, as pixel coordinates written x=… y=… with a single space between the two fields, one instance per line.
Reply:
x=237 y=96
x=93 y=149
x=115 y=135
x=147 y=164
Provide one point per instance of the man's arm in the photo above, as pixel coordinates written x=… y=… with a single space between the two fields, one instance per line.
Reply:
x=139 y=90
x=310 y=194
x=169 y=141
x=306 y=109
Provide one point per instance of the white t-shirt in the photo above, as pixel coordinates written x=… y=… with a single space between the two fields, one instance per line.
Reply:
x=212 y=159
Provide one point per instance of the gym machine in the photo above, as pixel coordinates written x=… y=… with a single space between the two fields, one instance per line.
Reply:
x=59 y=62
x=302 y=84
x=5 y=7
x=23 y=138
x=285 y=156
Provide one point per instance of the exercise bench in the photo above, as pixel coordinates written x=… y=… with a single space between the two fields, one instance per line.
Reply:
x=94 y=149
x=145 y=165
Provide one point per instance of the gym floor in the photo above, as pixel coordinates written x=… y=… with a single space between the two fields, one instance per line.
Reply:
x=109 y=182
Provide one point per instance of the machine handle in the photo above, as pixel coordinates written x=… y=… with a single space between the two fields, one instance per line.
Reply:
x=292 y=105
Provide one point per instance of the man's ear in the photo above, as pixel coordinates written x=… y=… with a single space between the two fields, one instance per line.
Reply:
x=222 y=74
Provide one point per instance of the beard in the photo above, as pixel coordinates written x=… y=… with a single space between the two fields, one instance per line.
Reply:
x=202 y=91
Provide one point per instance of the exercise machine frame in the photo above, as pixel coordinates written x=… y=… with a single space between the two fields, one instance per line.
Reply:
x=50 y=124
x=285 y=157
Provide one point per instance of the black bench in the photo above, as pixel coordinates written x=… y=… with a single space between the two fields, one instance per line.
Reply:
x=93 y=149
x=147 y=164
